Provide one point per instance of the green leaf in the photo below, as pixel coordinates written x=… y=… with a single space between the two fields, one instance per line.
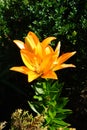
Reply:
x=38 y=97
x=52 y=114
x=61 y=123
x=39 y=90
x=32 y=107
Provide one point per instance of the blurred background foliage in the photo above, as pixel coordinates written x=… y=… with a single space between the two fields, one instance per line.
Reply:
x=64 y=19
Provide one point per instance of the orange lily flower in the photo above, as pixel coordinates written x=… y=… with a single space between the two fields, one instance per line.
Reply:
x=40 y=59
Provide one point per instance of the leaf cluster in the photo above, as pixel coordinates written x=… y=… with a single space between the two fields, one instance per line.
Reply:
x=48 y=101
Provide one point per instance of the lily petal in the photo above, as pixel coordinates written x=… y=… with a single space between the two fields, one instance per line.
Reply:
x=30 y=43
x=39 y=50
x=47 y=41
x=21 y=69
x=31 y=40
x=46 y=63
x=20 y=44
x=32 y=76
x=33 y=36
x=62 y=66
x=27 y=59
x=57 y=50
x=48 y=50
x=65 y=57
x=50 y=74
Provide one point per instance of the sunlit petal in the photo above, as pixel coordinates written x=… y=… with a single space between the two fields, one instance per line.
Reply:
x=21 y=69
x=26 y=57
x=50 y=74
x=57 y=50
x=20 y=44
x=32 y=75
x=31 y=40
x=30 y=43
x=47 y=41
x=46 y=63
x=38 y=50
x=65 y=57
x=62 y=66
x=33 y=36
x=48 y=50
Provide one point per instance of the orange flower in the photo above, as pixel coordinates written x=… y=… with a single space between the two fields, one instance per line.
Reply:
x=40 y=59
